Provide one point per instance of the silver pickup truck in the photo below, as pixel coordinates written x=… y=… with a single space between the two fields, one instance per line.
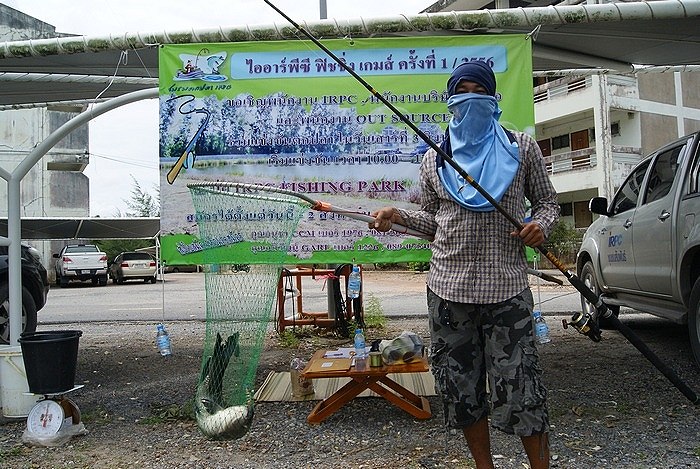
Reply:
x=643 y=252
x=81 y=262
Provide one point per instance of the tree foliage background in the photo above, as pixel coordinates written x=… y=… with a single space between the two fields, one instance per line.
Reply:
x=563 y=242
x=141 y=204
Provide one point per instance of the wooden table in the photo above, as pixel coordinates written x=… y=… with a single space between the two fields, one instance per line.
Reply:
x=374 y=378
x=306 y=318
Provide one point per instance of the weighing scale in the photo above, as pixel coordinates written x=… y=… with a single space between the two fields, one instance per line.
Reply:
x=51 y=414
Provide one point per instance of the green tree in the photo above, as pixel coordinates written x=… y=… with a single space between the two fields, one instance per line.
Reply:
x=141 y=204
x=564 y=242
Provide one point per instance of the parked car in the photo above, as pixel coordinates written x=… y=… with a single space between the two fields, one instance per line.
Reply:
x=181 y=268
x=80 y=262
x=133 y=265
x=643 y=252
x=35 y=288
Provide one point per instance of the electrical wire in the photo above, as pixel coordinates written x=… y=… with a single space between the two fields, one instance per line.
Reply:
x=124 y=161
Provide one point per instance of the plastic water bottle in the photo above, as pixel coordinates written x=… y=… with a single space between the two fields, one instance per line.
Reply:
x=541 y=328
x=354 y=283
x=163 y=340
x=360 y=351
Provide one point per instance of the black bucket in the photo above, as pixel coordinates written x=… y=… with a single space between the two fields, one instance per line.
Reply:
x=50 y=360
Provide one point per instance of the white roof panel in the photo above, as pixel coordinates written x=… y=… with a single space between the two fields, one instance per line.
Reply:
x=86 y=228
x=610 y=36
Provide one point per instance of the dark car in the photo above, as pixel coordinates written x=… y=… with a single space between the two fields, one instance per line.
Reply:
x=133 y=265
x=35 y=288
x=181 y=268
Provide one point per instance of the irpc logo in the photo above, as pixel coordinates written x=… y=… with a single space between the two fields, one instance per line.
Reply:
x=615 y=240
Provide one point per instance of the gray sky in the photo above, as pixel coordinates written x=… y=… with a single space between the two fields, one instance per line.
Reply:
x=124 y=142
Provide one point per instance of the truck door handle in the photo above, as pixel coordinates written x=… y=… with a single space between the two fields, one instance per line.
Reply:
x=664 y=215
x=627 y=223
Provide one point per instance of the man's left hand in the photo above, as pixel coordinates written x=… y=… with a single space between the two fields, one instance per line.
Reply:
x=531 y=234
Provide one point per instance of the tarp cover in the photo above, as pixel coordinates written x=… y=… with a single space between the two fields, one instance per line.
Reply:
x=86 y=228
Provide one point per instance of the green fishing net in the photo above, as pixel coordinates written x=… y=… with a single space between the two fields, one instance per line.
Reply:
x=241 y=291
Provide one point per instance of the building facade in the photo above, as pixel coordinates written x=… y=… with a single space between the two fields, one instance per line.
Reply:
x=56 y=185
x=593 y=129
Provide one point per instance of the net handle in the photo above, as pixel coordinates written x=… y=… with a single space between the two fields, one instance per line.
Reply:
x=318 y=205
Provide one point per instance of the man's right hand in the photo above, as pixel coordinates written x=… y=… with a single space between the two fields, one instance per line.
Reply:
x=384 y=218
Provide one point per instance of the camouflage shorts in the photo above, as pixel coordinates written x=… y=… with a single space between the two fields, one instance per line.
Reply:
x=471 y=344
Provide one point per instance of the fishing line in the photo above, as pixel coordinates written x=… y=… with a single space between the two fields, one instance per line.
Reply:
x=558 y=297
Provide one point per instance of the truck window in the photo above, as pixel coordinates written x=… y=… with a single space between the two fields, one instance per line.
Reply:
x=694 y=180
x=82 y=248
x=663 y=173
x=626 y=198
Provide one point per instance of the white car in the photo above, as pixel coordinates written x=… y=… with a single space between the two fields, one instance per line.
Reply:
x=133 y=265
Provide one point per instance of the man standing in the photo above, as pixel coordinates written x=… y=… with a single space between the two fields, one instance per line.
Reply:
x=479 y=302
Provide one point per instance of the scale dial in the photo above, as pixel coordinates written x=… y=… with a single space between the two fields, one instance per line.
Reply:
x=45 y=418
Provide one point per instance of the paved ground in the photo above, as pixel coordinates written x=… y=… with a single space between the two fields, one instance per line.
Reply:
x=182 y=297
x=610 y=407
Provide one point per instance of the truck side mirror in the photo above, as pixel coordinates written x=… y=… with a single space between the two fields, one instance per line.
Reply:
x=55 y=256
x=598 y=205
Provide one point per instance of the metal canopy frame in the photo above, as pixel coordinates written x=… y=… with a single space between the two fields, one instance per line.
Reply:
x=85 y=228
x=124 y=69
x=13 y=178
x=614 y=36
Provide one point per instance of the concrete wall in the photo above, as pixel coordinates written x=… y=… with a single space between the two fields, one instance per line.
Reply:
x=649 y=112
x=657 y=130
x=657 y=87
x=691 y=125
x=691 y=89
x=17 y=26
x=661 y=123
x=43 y=193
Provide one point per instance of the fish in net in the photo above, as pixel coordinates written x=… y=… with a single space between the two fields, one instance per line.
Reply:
x=240 y=298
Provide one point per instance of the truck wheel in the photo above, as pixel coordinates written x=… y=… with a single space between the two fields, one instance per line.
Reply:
x=588 y=277
x=694 y=321
x=62 y=281
x=103 y=280
x=28 y=313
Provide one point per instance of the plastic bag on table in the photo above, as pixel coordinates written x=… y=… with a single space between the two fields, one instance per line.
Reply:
x=300 y=386
x=405 y=348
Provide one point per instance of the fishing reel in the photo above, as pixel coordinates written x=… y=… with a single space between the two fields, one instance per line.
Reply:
x=584 y=324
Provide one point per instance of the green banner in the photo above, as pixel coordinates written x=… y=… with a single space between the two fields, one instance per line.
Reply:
x=284 y=114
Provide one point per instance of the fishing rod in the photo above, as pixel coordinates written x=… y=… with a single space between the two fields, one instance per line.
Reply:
x=248 y=190
x=584 y=323
x=588 y=328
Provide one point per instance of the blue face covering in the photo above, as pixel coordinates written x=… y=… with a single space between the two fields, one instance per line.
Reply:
x=481 y=147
